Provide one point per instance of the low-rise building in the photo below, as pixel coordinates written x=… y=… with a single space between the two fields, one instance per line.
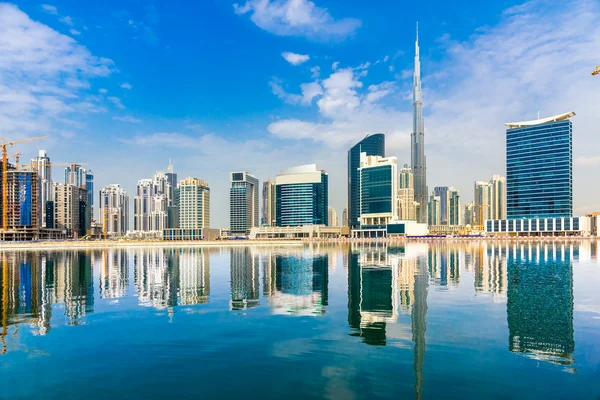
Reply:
x=562 y=226
x=298 y=232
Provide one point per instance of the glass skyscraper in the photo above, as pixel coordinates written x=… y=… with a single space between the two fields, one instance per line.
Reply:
x=372 y=145
x=302 y=195
x=243 y=203
x=539 y=168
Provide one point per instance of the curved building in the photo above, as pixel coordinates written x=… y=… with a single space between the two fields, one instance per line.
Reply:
x=372 y=145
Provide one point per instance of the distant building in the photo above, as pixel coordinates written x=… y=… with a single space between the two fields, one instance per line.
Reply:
x=372 y=145
x=407 y=207
x=332 y=217
x=345 y=216
x=78 y=176
x=453 y=207
x=154 y=197
x=469 y=214
x=142 y=206
x=22 y=199
x=442 y=193
x=433 y=208
x=498 y=203
x=114 y=207
x=41 y=165
x=194 y=204
x=483 y=202
x=243 y=203
x=302 y=196
x=269 y=204
x=71 y=212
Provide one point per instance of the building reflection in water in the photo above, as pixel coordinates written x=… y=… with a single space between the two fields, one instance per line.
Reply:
x=488 y=262
x=114 y=273
x=444 y=265
x=165 y=278
x=32 y=282
x=540 y=301
x=296 y=281
x=244 y=273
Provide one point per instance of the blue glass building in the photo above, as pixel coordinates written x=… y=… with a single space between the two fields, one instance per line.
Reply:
x=302 y=195
x=539 y=168
x=372 y=145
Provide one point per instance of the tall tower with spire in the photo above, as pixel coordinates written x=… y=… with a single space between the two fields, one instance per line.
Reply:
x=417 y=140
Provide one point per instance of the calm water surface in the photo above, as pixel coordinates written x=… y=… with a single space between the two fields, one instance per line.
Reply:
x=455 y=320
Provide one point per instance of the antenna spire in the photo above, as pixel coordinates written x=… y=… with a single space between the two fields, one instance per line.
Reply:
x=417 y=31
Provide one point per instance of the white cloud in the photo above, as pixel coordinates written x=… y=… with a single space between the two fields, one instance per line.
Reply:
x=43 y=76
x=295 y=59
x=128 y=118
x=102 y=91
x=386 y=58
x=297 y=18
x=74 y=32
x=280 y=92
x=116 y=101
x=126 y=85
x=316 y=71
x=50 y=9
x=335 y=65
x=67 y=20
x=310 y=91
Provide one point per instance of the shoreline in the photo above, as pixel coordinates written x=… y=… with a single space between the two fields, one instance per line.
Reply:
x=103 y=244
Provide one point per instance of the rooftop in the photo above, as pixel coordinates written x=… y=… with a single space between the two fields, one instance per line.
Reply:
x=555 y=118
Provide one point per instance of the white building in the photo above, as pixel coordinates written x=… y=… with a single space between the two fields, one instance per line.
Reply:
x=152 y=201
x=332 y=219
x=407 y=206
x=194 y=204
x=114 y=208
x=41 y=165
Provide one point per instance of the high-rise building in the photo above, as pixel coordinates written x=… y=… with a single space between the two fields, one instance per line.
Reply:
x=78 y=176
x=539 y=168
x=269 y=204
x=41 y=165
x=114 y=207
x=498 y=205
x=372 y=145
x=194 y=204
x=243 y=203
x=378 y=182
x=442 y=193
x=22 y=199
x=172 y=181
x=483 y=202
x=433 y=208
x=332 y=217
x=302 y=196
x=70 y=209
x=407 y=210
x=417 y=142
x=345 y=216
x=154 y=201
x=142 y=205
x=453 y=207
x=470 y=214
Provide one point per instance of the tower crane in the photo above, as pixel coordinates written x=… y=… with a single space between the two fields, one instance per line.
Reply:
x=596 y=70
x=5 y=145
x=30 y=166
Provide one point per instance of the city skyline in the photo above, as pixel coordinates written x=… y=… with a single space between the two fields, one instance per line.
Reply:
x=464 y=113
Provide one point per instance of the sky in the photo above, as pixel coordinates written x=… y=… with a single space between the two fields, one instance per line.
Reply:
x=261 y=85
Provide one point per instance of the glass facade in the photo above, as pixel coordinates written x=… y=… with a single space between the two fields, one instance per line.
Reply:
x=539 y=171
x=373 y=145
x=243 y=203
x=300 y=204
x=376 y=195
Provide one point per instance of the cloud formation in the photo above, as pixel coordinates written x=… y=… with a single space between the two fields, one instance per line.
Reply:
x=297 y=18
x=126 y=85
x=128 y=118
x=295 y=59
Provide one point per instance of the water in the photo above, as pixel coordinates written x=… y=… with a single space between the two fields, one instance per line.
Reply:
x=456 y=320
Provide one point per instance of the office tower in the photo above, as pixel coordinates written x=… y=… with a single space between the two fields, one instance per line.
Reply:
x=172 y=182
x=194 y=204
x=417 y=140
x=269 y=204
x=70 y=208
x=378 y=183
x=407 y=210
x=41 y=165
x=498 y=206
x=243 y=203
x=114 y=208
x=302 y=196
x=345 y=216
x=539 y=168
x=142 y=206
x=89 y=187
x=453 y=207
x=332 y=217
x=442 y=193
x=372 y=145
x=483 y=202
x=78 y=176
x=434 y=206
x=22 y=199
x=470 y=214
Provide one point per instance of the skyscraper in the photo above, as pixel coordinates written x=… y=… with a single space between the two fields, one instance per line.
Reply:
x=142 y=206
x=469 y=214
x=155 y=200
x=407 y=210
x=22 y=199
x=333 y=219
x=243 y=203
x=70 y=208
x=78 y=176
x=114 y=206
x=269 y=204
x=539 y=168
x=372 y=145
x=417 y=142
x=498 y=197
x=442 y=193
x=453 y=207
x=483 y=202
x=433 y=208
x=194 y=204
x=302 y=196
x=378 y=182
x=41 y=165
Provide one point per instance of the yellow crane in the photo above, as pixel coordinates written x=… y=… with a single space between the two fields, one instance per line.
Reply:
x=106 y=218
x=5 y=145
x=596 y=70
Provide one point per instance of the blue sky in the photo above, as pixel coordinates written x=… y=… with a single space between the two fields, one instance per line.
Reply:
x=261 y=85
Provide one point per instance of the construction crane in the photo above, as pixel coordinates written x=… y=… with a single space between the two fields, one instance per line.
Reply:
x=29 y=166
x=596 y=70
x=106 y=218
x=5 y=145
